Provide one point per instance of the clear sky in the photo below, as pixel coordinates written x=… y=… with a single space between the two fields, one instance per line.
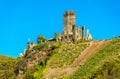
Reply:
x=23 y=19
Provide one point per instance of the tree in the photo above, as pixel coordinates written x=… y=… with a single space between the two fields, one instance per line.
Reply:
x=56 y=36
x=40 y=39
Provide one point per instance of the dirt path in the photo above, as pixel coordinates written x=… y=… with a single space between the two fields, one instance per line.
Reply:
x=58 y=73
x=88 y=52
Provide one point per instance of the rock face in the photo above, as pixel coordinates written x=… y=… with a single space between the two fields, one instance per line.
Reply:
x=30 y=59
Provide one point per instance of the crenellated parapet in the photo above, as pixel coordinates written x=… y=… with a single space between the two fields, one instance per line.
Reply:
x=69 y=13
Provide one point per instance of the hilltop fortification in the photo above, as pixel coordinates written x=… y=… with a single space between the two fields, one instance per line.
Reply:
x=73 y=33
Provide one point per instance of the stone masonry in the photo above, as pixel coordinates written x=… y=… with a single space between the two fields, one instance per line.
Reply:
x=71 y=31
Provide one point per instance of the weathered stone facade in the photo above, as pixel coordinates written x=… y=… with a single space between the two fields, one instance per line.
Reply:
x=71 y=31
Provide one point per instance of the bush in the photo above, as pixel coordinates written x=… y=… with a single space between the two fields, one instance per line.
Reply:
x=52 y=52
x=30 y=73
x=40 y=46
x=36 y=72
x=40 y=72
x=56 y=45
x=40 y=39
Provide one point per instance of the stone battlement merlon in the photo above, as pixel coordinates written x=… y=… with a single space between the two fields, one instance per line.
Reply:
x=72 y=12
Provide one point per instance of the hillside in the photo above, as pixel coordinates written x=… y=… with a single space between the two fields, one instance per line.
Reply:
x=7 y=66
x=105 y=64
x=55 y=55
x=78 y=61
x=89 y=60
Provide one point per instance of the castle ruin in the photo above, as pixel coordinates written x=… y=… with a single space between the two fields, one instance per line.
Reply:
x=71 y=32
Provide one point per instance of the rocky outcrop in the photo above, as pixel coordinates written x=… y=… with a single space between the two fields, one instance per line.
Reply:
x=31 y=58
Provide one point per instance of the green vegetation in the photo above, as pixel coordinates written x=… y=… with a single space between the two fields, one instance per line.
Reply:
x=65 y=55
x=103 y=65
x=38 y=70
x=55 y=45
x=40 y=39
x=40 y=46
x=7 y=65
x=35 y=73
x=109 y=69
x=59 y=56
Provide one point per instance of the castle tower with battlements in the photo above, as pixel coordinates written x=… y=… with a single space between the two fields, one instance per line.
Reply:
x=69 y=21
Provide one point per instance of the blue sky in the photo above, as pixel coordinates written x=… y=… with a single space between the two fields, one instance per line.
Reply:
x=21 y=19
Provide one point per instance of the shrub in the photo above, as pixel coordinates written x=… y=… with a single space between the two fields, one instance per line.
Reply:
x=52 y=52
x=40 y=46
x=35 y=73
x=56 y=45
x=40 y=72
x=40 y=39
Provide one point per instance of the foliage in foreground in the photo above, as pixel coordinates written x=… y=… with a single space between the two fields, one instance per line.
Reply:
x=103 y=65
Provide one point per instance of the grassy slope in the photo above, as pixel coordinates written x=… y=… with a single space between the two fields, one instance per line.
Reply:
x=7 y=65
x=105 y=64
x=66 y=55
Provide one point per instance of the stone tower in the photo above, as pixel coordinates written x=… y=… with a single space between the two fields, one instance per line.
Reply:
x=69 y=21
